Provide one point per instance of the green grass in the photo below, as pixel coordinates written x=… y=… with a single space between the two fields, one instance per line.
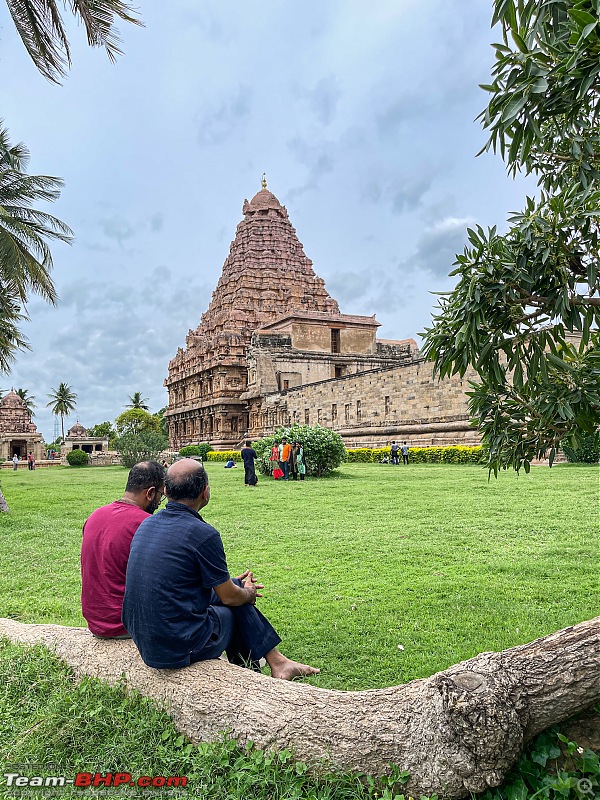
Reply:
x=431 y=557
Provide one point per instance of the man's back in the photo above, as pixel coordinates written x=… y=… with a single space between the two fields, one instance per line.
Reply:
x=176 y=560
x=107 y=536
x=248 y=455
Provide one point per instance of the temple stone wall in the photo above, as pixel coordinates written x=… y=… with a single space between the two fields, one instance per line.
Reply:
x=372 y=408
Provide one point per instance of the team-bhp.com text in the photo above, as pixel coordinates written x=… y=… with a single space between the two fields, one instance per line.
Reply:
x=85 y=779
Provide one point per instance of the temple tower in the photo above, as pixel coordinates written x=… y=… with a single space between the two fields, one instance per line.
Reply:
x=265 y=275
x=18 y=434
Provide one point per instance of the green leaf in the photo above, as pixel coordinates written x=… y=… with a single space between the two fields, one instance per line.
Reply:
x=582 y=18
x=519 y=42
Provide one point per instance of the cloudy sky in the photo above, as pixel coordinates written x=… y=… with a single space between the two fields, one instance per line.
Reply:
x=360 y=113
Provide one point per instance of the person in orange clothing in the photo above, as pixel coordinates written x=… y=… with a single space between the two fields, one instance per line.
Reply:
x=285 y=451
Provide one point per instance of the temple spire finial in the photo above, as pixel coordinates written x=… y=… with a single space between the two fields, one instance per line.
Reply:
x=263 y=181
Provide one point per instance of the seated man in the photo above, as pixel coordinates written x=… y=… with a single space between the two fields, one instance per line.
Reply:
x=180 y=604
x=107 y=536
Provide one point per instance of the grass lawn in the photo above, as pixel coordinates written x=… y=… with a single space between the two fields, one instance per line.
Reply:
x=378 y=575
x=433 y=559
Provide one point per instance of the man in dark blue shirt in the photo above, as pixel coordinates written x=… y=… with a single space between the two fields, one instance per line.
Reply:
x=248 y=454
x=180 y=603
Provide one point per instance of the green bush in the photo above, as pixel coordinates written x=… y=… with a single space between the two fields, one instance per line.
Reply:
x=78 y=458
x=223 y=455
x=323 y=449
x=366 y=455
x=145 y=446
x=201 y=450
x=454 y=454
x=587 y=453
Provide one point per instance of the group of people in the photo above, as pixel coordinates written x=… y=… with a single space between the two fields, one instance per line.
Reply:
x=287 y=460
x=162 y=579
x=396 y=449
x=30 y=461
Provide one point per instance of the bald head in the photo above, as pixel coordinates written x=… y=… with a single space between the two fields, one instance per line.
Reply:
x=187 y=482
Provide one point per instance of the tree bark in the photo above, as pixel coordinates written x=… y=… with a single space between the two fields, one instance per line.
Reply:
x=456 y=732
x=3 y=503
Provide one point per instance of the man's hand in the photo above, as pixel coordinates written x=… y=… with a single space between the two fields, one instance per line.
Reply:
x=251 y=586
x=230 y=594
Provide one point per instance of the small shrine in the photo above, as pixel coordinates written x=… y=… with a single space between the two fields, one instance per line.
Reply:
x=77 y=438
x=18 y=434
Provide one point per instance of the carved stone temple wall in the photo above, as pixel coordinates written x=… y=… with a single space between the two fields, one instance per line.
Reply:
x=273 y=348
x=18 y=434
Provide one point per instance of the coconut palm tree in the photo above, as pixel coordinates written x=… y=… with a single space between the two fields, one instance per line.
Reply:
x=25 y=258
x=27 y=400
x=137 y=401
x=40 y=25
x=62 y=402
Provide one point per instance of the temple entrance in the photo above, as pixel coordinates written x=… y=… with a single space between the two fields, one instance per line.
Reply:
x=18 y=446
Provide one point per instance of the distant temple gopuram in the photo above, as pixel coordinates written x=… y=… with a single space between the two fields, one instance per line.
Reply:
x=18 y=434
x=273 y=349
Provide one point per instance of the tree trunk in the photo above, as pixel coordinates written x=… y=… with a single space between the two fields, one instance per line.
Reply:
x=458 y=731
x=3 y=503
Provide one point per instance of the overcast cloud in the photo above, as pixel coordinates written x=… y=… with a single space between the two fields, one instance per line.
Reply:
x=361 y=114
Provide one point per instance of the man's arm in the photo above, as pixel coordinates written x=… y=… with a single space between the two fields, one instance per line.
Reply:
x=232 y=595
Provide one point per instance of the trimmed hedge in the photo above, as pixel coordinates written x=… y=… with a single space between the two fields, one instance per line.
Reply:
x=223 y=455
x=455 y=454
x=201 y=450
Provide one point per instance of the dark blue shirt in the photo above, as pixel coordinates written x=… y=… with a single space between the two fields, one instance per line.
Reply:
x=176 y=560
x=248 y=454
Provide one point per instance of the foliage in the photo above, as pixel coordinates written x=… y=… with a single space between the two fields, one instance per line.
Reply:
x=164 y=426
x=455 y=454
x=519 y=295
x=587 y=453
x=136 y=421
x=137 y=401
x=25 y=258
x=42 y=31
x=551 y=768
x=62 y=402
x=104 y=429
x=222 y=455
x=323 y=448
x=27 y=400
x=147 y=445
x=55 y=445
x=78 y=458
x=201 y=450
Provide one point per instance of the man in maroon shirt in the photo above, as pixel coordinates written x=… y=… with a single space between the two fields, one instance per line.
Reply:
x=107 y=536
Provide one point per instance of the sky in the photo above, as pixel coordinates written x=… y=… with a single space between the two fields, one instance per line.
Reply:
x=361 y=114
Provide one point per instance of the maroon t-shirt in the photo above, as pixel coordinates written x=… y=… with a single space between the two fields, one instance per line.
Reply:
x=107 y=536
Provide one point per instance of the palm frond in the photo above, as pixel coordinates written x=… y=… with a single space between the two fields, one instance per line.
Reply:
x=98 y=17
x=40 y=26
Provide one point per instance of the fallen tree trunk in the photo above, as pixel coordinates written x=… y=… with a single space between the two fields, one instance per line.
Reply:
x=458 y=731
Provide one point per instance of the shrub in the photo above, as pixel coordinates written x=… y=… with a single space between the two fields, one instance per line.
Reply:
x=587 y=453
x=223 y=455
x=323 y=449
x=454 y=454
x=145 y=446
x=78 y=458
x=201 y=450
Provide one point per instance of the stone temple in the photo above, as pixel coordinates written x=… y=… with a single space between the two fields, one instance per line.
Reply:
x=273 y=349
x=18 y=434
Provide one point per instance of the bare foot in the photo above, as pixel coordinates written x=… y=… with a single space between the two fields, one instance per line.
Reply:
x=288 y=670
